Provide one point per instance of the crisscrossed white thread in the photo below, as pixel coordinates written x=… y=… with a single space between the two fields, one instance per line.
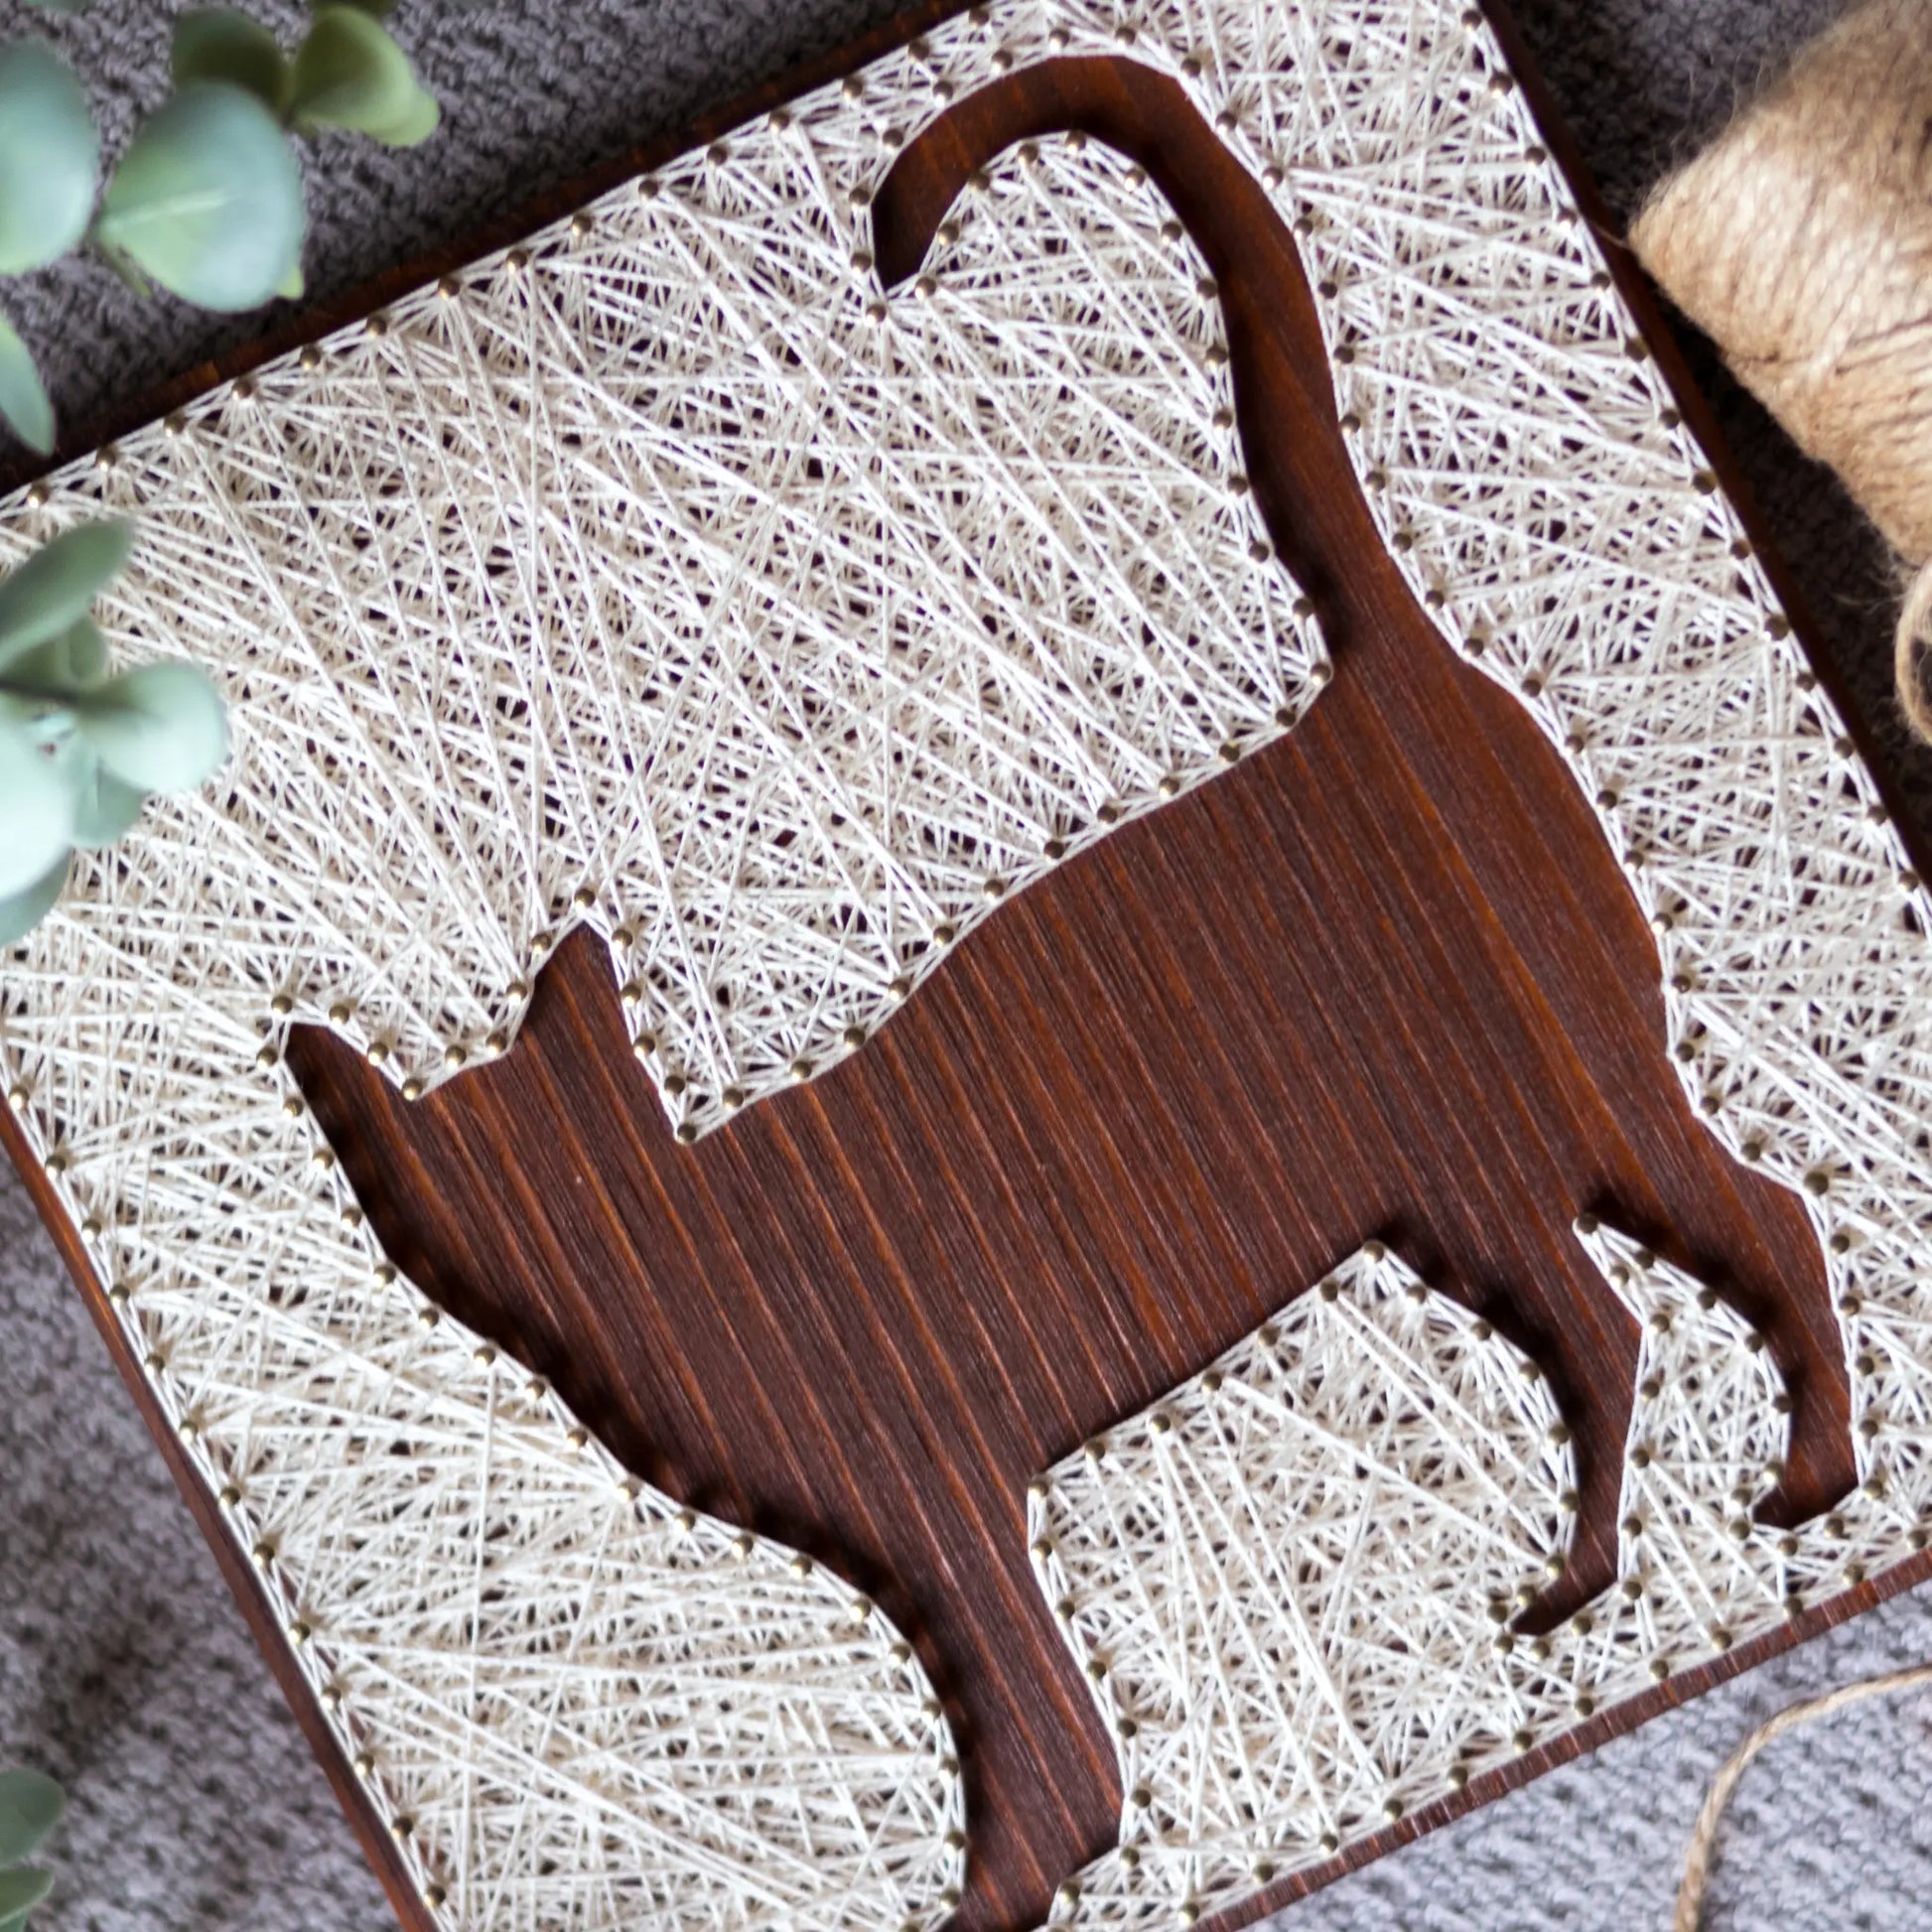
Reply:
x=667 y=574
x=1279 y=1579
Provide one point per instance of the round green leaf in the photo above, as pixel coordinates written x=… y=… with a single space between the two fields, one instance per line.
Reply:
x=414 y=125
x=22 y=1888
x=207 y=200
x=20 y=913
x=74 y=661
x=29 y=1808
x=162 y=727
x=104 y=807
x=51 y=592
x=49 y=159
x=37 y=809
x=350 y=74
x=218 y=44
x=23 y=398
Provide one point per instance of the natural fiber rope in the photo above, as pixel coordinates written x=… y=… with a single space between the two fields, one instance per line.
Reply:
x=1700 y=1857
x=1801 y=239
x=1913 y=653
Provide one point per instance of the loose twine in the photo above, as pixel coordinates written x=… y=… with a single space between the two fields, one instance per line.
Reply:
x=1801 y=240
x=1702 y=1855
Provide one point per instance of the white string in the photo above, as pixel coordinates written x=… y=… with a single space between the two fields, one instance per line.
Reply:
x=1279 y=1580
x=665 y=575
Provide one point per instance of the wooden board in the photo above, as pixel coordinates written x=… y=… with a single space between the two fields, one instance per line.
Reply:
x=1382 y=979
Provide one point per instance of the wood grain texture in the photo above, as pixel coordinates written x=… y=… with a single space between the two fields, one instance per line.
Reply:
x=1383 y=979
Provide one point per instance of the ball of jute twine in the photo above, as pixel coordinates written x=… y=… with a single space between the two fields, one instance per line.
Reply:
x=1801 y=241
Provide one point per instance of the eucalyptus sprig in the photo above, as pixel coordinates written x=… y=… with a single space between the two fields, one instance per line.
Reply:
x=207 y=202
x=29 y=1808
x=82 y=749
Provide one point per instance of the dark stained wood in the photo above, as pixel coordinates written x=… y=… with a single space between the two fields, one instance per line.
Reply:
x=1380 y=980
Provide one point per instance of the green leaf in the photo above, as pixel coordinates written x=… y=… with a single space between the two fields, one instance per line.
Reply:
x=23 y=399
x=22 y=1888
x=290 y=289
x=29 y=1808
x=350 y=74
x=218 y=44
x=50 y=158
x=104 y=807
x=37 y=809
x=414 y=125
x=49 y=593
x=162 y=727
x=72 y=662
x=207 y=200
x=20 y=913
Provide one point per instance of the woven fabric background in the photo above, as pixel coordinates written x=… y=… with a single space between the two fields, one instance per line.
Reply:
x=125 y=1669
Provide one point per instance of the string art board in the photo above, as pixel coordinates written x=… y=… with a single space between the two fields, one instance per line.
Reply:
x=1042 y=1052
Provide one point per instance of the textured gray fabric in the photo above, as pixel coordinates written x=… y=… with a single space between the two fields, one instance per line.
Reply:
x=125 y=1669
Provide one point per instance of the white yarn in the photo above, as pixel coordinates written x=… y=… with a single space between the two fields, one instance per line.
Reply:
x=657 y=566
x=667 y=575
x=1279 y=1580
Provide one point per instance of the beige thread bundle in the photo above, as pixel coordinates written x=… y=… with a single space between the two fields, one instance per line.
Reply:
x=1801 y=239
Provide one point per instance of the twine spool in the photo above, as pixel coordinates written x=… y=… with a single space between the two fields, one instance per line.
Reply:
x=1801 y=241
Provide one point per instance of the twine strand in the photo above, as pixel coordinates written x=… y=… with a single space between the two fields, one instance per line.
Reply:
x=1700 y=1857
x=1912 y=653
